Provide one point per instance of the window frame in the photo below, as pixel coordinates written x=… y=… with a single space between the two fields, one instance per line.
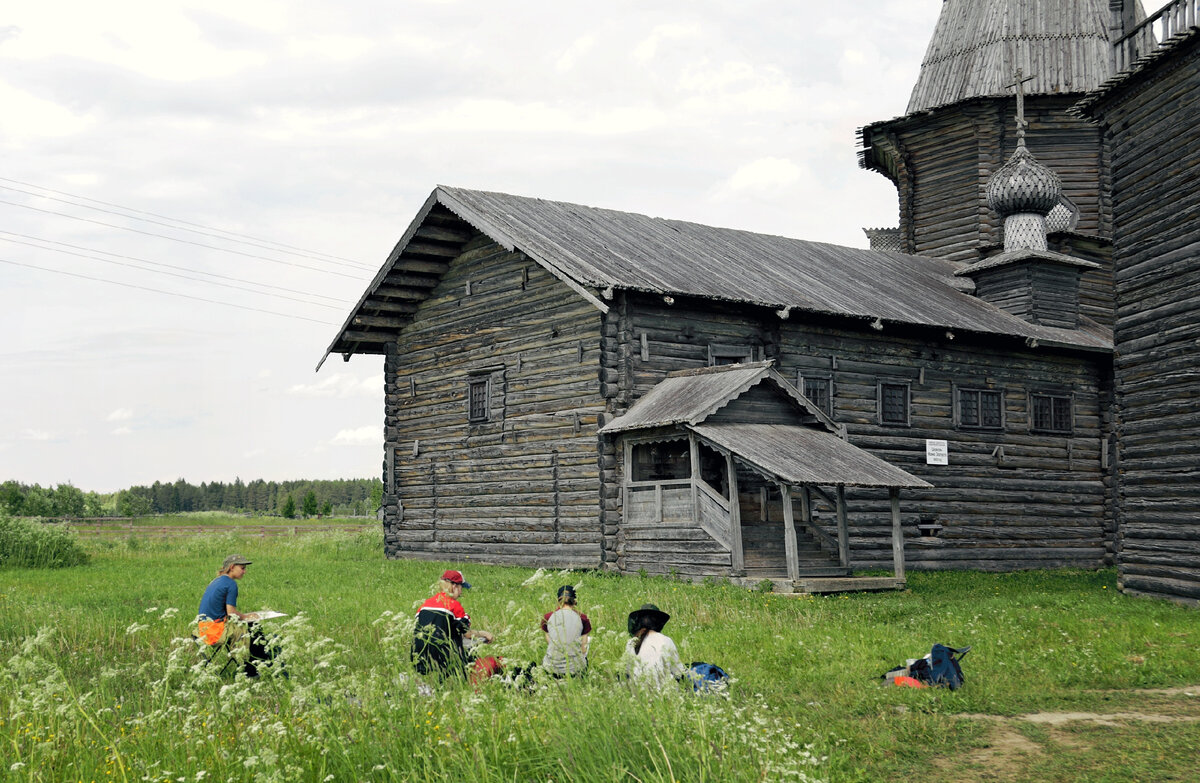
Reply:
x=743 y=353
x=802 y=378
x=475 y=382
x=879 y=408
x=1052 y=395
x=979 y=391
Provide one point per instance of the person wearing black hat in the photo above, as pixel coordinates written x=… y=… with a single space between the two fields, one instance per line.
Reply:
x=442 y=624
x=567 y=632
x=652 y=656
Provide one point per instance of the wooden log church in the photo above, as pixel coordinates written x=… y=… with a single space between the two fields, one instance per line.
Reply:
x=577 y=387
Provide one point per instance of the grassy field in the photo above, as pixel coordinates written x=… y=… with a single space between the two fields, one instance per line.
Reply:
x=1067 y=680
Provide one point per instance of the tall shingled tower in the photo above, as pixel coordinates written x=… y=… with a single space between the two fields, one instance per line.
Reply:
x=959 y=126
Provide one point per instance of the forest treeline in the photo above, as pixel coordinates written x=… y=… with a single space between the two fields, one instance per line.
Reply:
x=337 y=497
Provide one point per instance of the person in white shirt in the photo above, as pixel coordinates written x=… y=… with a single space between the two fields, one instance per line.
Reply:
x=652 y=658
x=567 y=631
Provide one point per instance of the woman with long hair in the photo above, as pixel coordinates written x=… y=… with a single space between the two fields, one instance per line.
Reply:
x=652 y=658
x=567 y=632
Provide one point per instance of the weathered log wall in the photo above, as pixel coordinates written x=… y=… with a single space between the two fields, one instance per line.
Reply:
x=521 y=486
x=1009 y=499
x=1154 y=126
x=949 y=154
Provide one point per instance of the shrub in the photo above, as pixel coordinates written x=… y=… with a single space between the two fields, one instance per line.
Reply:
x=26 y=543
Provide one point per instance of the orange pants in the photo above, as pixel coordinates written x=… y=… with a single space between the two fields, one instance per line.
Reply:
x=214 y=632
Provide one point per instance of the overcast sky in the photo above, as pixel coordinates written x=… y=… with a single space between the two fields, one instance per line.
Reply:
x=139 y=348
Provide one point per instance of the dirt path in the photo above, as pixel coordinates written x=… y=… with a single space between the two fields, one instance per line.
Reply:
x=1017 y=744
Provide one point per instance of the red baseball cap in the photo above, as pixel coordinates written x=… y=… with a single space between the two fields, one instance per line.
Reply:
x=456 y=578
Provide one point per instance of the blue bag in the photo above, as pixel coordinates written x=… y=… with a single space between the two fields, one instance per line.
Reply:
x=707 y=677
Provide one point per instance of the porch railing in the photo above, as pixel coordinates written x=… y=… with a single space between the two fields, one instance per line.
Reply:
x=1158 y=28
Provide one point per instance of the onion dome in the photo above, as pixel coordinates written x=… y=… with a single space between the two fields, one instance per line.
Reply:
x=1023 y=186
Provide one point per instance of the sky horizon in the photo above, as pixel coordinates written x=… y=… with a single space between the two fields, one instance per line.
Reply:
x=196 y=194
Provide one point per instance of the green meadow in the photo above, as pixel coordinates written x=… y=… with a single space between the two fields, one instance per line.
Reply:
x=1067 y=680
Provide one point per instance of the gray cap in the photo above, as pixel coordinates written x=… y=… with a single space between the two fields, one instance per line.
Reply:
x=233 y=560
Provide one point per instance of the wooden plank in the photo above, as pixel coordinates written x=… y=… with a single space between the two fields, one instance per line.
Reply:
x=789 y=532
x=843 y=530
x=897 y=536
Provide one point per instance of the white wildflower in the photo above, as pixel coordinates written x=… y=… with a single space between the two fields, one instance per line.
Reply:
x=134 y=628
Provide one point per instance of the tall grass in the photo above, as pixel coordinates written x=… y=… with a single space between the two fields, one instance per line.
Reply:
x=27 y=543
x=98 y=680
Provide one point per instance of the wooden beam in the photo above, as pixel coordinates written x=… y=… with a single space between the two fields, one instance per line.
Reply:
x=406 y=264
x=694 y=459
x=789 y=533
x=443 y=234
x=382 y=306
x=430 y=249
x=387 y=322
x=407 y=279
x=400 y=292
x=735 y=519
x=843 y=528
x=897 y=535
x=366 y=337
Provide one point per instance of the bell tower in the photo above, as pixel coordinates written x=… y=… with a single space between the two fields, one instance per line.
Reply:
x=959 y=125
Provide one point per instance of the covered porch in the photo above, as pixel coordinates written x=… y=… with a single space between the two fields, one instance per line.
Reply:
x=718 y=495
x=679 y=505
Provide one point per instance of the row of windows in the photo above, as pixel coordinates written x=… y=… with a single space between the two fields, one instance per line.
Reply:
x=974 y=409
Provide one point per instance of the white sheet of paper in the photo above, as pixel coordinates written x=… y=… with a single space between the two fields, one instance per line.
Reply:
x=266 y=614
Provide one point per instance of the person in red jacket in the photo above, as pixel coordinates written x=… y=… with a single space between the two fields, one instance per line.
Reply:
x=442 y=625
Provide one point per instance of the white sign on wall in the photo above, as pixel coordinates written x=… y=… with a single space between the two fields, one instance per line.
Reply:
x=937 y=452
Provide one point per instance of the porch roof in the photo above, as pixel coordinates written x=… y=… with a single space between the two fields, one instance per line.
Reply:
x=805 y=455
x=693 y=396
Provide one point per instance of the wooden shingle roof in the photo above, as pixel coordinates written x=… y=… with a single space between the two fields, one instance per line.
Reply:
x=691 y=397
x=597 y=251
x=808 y=451
x=803 y=455
x=977 y=45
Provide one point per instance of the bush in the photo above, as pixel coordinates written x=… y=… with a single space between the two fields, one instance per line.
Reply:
x=26 y=543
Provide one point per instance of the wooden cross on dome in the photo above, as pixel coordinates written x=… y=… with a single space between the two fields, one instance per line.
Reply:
x=1019 y=84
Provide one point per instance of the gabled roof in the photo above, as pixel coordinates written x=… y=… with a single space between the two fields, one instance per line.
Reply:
x=691 y=397
x=803 y=455
x=808 y=451
x=978 y=45
x=597 y=251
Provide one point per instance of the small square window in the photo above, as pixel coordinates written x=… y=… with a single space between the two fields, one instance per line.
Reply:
x=477 y=399
x=1051 y=412
x=819 y=391
x=980 y=409
x=719 y=355
x=893 y=404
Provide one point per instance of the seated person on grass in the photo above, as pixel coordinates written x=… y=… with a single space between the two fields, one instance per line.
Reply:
x=442 y=624
x=215 y=623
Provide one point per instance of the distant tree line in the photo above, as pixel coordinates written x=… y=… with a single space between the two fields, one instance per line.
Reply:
x=339 y=497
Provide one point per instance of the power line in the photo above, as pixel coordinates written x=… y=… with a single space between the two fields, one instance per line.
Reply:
x=174 y=274
x=183 y=241
x=314 y=254
x=341 y=303
x=168 y=293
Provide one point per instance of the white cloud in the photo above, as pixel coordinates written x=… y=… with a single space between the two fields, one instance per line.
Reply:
x=39 y=435
x=764 y=174
x=122 y=431
x=359 y=437
x=340 y=385
x=120 y=414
